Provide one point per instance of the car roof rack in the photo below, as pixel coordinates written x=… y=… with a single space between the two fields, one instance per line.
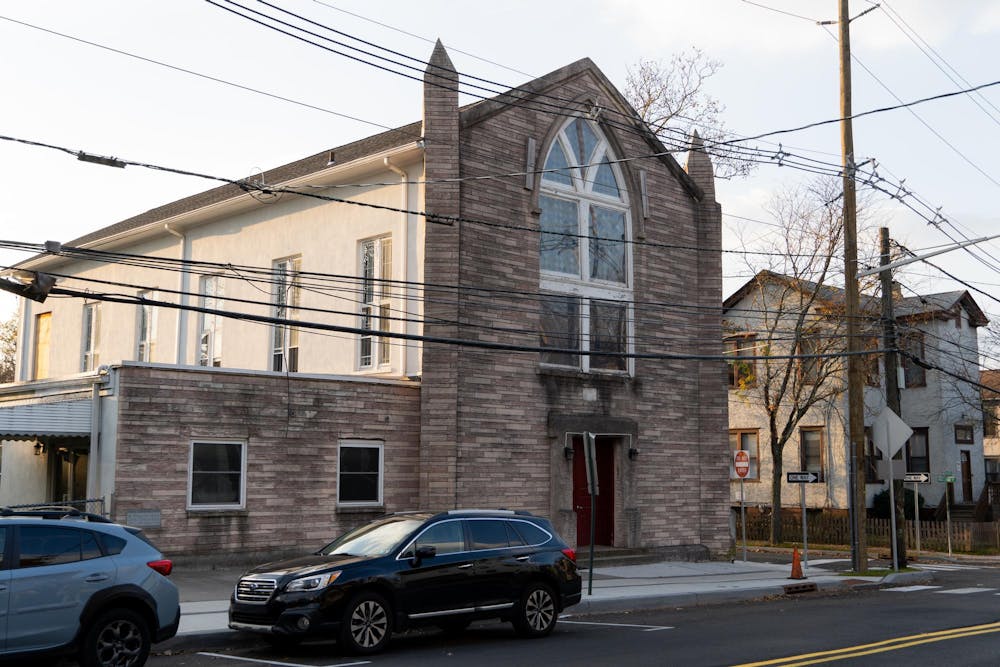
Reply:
x=53 y=512
x=493 y=512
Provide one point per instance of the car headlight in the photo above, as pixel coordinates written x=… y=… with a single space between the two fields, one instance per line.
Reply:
x=313 y=582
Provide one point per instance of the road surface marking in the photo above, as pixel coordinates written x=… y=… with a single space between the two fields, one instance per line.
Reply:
x=965 y=591
x=281 y=664
x=644 y=628
x=827 y=561
x=942 y=567
x=877 y=647
x=909 y=589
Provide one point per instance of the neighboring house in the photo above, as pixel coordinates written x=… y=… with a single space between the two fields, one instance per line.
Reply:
x=941 y=408
x=224 y=435
x=991 y=421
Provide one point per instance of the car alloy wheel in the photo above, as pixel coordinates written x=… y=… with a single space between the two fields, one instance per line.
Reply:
x=367 y=624
x=536 y=615
x=118 y=638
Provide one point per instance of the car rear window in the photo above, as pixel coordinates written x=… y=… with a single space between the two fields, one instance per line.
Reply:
x=141 y=535
x=488 y=534
x=532 y=534
x=112 y=545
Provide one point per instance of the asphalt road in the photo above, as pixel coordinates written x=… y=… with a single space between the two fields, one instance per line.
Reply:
x=955 y=623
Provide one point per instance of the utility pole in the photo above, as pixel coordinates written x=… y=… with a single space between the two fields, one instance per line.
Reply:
x=855 y=383
x=892 y=400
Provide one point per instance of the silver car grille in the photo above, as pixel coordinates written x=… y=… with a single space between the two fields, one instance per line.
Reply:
x=255 y=590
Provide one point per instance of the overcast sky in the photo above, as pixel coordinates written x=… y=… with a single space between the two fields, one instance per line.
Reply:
x=780 y=70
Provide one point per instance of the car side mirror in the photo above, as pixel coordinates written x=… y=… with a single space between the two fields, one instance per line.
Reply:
x=423 y=552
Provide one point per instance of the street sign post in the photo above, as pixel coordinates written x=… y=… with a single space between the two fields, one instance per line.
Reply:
x=741 y=464
x=890 y=434
x=917 y=478
x=803 y=477
x=590 y=458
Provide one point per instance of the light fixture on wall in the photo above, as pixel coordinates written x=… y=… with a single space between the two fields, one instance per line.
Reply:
x=633 y=453
x=568 y=453
x=39 y=449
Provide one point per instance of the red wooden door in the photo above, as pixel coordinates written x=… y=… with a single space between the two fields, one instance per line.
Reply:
x=967 y=477
x=604 y=502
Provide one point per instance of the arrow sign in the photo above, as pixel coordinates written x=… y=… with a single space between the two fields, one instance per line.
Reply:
x=801 y=477
x=917 y=477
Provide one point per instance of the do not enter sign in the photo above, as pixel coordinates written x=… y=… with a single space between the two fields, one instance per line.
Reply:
x=741 y=462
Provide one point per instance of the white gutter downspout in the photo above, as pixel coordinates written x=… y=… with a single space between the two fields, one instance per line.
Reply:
x=180 y=340
x=404 y=178
x=95 y=488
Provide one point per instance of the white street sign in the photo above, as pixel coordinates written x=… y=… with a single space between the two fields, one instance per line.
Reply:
x=917 y=477
x=801 y=477
x=890 y=432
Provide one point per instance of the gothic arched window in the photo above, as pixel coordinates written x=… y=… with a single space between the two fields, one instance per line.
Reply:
x=585 y=255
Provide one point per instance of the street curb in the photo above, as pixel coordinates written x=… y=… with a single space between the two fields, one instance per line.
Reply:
x=200 y=641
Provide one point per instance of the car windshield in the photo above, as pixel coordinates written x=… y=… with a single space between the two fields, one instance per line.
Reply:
x=374 y=539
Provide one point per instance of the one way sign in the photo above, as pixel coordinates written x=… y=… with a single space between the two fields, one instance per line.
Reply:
x=801 y=477
x=917 y=477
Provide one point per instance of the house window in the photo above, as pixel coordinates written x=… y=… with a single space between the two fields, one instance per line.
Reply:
x=991 y=413
x=745 y=440
x=285 y=300
x=872 y=457
x=43 y=333
x=964 y=435
x=91 y=331
x=811 y=450
x=810 y=369
x=217 y=475
x=584 y=254
x=742 y=372
x=210 y=339
x=918 y=452
x=359 y=472
x=914 y=375
x=145 y=326
x=376 y=302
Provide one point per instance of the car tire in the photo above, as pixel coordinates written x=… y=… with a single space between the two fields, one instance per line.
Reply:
x=535 y=614
x=116 y=638
x=367 y=624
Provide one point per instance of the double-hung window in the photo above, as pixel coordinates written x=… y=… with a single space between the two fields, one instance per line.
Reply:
x=285 y=300
x=91 y=336
x=359 y=472
x=742 y=372
x=217 y=475
x=918 y=451
x=811 y=450
x=584 y=254
x=210 y=338
x=376 y=302
x=744 y=440
x=145 y=326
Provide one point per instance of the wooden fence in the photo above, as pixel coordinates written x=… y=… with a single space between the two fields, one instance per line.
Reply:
x=824 y=529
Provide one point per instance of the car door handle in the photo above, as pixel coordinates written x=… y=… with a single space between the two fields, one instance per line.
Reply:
x=522 y=558
x=3 y=588
x=466 y=566
x=94 y=578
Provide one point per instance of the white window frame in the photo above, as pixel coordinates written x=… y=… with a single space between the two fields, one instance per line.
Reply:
x=145 y=326
x=210 y=325
x=365 y=444
x=90 y=336
x=286 y=279
x=243 y=476
x=581 y=285
x=375 y=304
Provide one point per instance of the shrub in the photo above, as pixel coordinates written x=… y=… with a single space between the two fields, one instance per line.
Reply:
x=880 y=504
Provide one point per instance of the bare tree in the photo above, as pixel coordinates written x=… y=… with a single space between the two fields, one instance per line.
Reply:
x=671 y=97
x=793 y=321
x=8 y=348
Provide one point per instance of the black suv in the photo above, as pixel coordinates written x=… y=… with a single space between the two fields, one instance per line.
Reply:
x=416 y=568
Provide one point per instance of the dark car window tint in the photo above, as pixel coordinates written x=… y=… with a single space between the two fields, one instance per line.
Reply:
x=446 y=537
x=488 y=534
x=49 y=545
x=531 y=533
x=4 y=556
x=89 y=548
x=112 y=545
x=513 y=537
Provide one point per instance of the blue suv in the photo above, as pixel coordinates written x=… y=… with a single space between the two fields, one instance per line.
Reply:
x=73 y=582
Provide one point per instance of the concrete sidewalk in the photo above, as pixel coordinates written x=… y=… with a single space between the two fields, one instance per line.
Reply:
x=205 y=593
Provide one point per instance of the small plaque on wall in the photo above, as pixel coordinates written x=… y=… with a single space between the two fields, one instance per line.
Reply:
x=143 y=518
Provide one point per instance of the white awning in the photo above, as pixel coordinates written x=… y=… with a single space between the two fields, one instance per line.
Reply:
x=62 y=418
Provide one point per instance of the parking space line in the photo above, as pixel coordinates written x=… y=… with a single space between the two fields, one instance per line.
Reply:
x=281 y=664
x=644 y=628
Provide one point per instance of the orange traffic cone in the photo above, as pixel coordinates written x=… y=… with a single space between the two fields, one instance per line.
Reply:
x=796 y=565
